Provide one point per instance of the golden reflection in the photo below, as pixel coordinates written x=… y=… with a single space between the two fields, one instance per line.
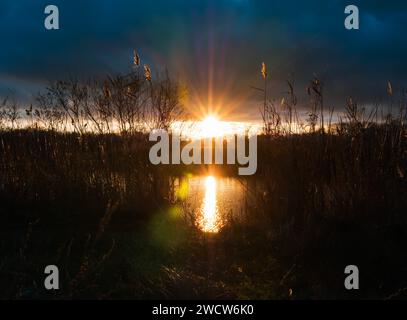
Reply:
x=209 y=221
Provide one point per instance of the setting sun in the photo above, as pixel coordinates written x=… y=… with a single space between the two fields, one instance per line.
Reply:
x=212 y=127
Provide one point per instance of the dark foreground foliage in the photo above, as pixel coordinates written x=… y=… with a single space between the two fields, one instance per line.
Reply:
x=93 y=205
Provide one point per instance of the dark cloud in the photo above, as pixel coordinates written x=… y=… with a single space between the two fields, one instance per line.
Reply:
x=217 y=42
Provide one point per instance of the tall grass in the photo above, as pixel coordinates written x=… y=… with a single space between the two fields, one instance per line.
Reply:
x=77 y=189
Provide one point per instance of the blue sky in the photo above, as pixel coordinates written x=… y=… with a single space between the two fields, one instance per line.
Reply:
x=221 y=42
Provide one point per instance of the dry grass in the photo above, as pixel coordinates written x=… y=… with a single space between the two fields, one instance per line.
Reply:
x=92 y=203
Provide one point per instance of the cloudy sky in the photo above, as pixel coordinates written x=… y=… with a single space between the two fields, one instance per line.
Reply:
x=211 y=45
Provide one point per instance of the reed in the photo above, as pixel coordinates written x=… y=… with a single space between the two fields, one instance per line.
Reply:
x=77 y=188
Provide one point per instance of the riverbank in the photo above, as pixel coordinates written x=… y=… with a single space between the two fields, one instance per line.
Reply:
x=94 y=206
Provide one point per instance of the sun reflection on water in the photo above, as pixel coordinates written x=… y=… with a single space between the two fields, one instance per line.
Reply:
x=210 y=202
x=209 y=221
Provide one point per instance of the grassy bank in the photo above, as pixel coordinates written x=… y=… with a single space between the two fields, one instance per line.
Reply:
x=95 y=206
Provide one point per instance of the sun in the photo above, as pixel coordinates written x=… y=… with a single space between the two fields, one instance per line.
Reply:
x=211 y=124
x=212 y=127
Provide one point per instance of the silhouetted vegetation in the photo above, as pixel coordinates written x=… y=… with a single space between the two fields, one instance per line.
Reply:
x=77 y=190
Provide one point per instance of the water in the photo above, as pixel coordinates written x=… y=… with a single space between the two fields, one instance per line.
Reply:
x=212 y=201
